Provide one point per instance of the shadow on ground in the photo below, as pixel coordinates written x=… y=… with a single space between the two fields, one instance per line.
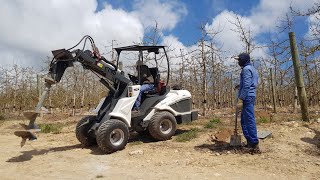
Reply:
x=28 y=155
x=145 y=137
x=220 y=147
x=134 y=137
x=314 y=141
x=181 y=131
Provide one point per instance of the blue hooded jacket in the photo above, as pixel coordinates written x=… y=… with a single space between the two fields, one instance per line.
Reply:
x=248 y=77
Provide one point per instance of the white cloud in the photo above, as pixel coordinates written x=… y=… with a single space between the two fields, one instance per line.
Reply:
x=166 y=13
x=174 y=45
x=268 y=13
x=29 y=30
x=314 y=26
x=263 y=18
x=32 y=29
x=176 y=49
x=228 y=38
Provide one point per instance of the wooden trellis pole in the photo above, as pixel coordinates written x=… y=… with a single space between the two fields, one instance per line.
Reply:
x=298 y=77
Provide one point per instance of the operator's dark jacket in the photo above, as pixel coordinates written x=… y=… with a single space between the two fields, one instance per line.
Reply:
x=145 y=75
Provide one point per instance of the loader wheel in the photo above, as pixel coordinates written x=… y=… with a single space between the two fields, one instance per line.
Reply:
x=162 y=126
x=82 y=129
x=112 y=135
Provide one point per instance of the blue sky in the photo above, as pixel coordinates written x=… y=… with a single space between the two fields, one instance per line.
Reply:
x=187 y=30
x=52 y=24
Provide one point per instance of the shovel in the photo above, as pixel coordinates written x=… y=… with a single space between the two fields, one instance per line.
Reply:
x=235 y=139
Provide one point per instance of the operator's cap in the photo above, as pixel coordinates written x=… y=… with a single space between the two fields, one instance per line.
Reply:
x=243 y=57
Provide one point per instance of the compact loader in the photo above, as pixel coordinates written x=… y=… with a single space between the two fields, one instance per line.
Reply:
x=160 y=111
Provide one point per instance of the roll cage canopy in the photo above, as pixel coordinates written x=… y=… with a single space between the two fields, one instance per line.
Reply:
x=154 y=49
x=140 y=49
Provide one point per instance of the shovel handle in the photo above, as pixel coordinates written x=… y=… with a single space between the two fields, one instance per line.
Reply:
x=236 y=116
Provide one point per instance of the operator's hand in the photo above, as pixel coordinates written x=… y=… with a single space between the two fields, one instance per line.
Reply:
x=133 y=78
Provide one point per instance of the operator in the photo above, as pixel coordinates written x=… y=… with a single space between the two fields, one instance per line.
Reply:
x=247 y=93
x=147 y=81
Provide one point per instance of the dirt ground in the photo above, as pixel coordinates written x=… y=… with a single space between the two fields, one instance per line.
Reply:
x=293 y=152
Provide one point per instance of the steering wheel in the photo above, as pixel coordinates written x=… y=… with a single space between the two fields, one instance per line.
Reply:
x=133 y=78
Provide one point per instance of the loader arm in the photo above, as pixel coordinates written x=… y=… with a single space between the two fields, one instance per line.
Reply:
x=109 y=74
x=100 y=66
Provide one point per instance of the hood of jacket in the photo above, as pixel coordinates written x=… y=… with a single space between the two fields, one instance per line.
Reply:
x=244 y=59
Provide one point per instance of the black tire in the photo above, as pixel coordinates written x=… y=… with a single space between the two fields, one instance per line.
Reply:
x=82 y=131
x=112 y=136
x=162 y=126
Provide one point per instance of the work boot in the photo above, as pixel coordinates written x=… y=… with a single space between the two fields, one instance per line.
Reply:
x=248 y=145
x=135 y=110
x=254 y=149
x=251 y=148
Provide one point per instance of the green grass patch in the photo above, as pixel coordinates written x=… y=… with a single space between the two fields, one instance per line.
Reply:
x=51 y=128
x=187 y=136
x=212 y=123
x=263 y=120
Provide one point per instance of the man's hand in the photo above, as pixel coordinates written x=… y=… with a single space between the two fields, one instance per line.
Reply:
x=239 y=106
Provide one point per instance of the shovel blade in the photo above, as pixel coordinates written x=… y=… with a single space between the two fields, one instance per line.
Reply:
x=235 y=140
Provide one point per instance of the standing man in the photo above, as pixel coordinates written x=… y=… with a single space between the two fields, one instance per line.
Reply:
x=247 y=93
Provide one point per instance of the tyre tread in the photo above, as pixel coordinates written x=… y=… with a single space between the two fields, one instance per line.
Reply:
x=154 y=129
x=103 y=130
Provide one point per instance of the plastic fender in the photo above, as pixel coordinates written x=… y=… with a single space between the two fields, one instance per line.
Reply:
x=122 y=110
x=148 y=117
x=166 y=108
x=172 y=97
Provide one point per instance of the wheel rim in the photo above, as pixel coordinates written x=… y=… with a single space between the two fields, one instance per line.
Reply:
x=166 y=126
x=116 y=137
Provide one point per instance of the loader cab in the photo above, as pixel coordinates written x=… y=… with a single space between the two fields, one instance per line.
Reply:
x=153 y=61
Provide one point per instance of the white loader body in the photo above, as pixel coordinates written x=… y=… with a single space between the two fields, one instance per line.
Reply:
x=123 y=108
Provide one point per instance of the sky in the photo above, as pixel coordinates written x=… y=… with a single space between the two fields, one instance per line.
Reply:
x=30 y=29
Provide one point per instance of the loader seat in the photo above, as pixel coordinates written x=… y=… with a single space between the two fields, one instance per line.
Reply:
x=158 y=86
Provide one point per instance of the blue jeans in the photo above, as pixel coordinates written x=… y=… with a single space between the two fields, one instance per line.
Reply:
x=248 y=121
x=143 y=88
